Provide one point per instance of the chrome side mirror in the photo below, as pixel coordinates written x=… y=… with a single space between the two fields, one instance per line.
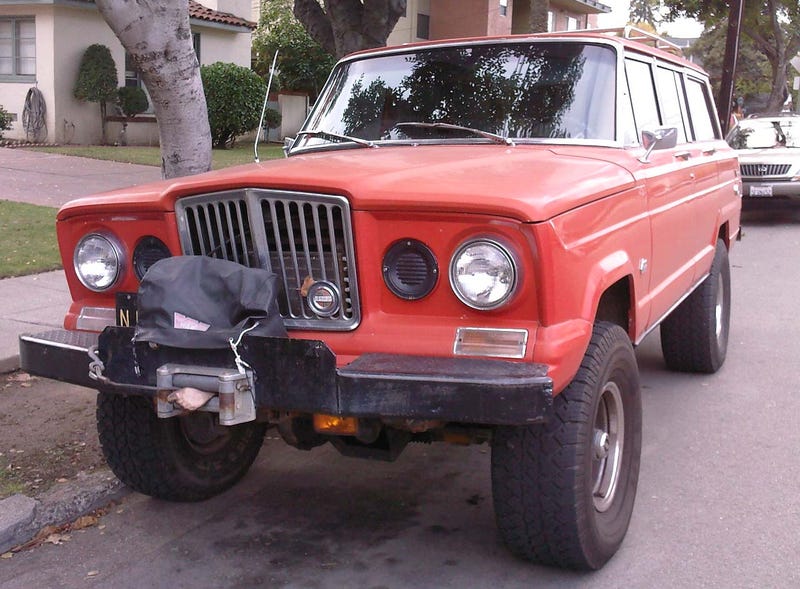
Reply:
x=288 y=143
x=661 y=138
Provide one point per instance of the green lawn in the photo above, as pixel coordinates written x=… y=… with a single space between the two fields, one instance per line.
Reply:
x=151 y=156
x=27 y=239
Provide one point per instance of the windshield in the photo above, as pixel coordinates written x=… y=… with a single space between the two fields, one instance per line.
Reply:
x=541 y=90
x=765 y=133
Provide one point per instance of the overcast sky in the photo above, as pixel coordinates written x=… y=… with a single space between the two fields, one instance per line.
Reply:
x=619 y=17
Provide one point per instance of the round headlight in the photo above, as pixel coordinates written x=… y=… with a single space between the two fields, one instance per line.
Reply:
x=97 y=262
x=483 y=274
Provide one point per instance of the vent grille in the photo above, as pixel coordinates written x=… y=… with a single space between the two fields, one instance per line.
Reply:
x=303 y=238
x=764 y=169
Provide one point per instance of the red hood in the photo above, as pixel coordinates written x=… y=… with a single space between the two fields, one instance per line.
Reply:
x=526 y=182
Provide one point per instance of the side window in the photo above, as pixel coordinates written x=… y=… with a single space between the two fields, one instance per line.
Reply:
x=643 y=95
x=700 y=110
x=670 y=100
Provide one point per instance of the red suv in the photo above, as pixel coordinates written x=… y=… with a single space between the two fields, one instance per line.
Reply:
x=465 y=244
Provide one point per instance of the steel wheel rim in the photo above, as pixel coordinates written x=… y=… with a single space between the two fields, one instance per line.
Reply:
x=607 y=444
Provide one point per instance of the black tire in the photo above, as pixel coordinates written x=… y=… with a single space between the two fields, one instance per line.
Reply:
x=187 y=458
x=558 y=499
x=694 y=337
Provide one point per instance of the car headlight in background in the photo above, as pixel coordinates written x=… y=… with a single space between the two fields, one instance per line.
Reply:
x=97 y=261
x=483 y=274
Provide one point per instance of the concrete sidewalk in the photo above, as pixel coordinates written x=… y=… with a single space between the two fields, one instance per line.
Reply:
x=31 y=304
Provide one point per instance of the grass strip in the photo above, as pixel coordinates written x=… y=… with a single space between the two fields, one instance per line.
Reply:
x=27 y=239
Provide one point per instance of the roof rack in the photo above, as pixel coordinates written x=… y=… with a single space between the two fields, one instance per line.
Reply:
x=642 y=36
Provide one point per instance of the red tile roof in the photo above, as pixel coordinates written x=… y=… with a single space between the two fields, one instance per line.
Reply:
x=200 y=12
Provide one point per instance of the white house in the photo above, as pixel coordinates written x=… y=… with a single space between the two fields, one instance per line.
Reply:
x=42 y=42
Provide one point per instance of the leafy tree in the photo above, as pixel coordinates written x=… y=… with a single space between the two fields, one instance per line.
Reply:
x=5 y=120
x=344 y=26
x=644 y=12
x=234 y=95
x=159 y=40
x=752 y=77
x=97 y=79
x=772 y=25
x=303 y=65
x=132 y=100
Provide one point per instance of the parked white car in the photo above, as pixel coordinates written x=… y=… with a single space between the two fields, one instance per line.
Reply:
x=769 y=155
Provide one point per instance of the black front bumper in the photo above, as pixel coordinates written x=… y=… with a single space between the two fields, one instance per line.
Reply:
x=301 y=375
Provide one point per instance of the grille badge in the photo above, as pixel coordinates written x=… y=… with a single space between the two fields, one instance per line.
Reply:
x=323 y=298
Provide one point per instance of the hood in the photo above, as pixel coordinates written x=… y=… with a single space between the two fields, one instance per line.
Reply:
x=526 y=182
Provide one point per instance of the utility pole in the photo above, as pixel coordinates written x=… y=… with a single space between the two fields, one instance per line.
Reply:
x=729 y=65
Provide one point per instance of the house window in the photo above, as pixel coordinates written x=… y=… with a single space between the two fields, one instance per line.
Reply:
x=18 y=48
x=572 y=23
x=196 y=45
x=503 y=7
x=423 y=26
x=551 y=21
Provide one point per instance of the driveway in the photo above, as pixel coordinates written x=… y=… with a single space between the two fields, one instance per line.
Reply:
x=50 y=179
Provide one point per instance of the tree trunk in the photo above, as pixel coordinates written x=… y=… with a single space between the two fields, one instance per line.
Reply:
x=539 y=10
x=159 y=40
x=345 y=26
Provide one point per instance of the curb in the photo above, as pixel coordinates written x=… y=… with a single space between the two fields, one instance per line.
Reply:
x=21 y=517
x=9 y=364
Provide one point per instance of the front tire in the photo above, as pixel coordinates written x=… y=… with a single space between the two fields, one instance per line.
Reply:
x=694 y=337
x=564 y=491
x=188 y=458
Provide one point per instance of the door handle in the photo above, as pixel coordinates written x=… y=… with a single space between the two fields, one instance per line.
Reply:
x=683 y=155
x=711 y=151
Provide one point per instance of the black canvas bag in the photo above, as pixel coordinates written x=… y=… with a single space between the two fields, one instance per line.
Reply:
x=202 y=302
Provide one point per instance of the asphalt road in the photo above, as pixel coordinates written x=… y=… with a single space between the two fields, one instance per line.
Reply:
x=717 y=505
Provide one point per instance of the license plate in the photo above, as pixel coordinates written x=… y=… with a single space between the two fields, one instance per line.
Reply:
x=127 y=312
x=761 y=191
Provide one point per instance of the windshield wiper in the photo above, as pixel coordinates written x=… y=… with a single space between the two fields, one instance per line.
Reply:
x=323 y=134
x=486 y=134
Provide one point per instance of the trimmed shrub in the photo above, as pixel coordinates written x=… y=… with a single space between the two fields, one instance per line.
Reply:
x=97 y=79
x=5 y=120
x=132 y=100
x=234 y=96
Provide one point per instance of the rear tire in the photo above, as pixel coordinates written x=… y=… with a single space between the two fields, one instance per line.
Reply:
x=694 y=337
x=564 y=491
x=187 y=458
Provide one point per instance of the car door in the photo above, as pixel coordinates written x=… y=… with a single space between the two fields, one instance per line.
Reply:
x=669 y=178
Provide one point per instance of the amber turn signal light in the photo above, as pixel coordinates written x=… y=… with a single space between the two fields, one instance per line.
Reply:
x=333 y=424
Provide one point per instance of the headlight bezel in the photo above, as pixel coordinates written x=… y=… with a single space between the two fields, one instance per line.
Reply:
x=118 y=256
x=506 y=252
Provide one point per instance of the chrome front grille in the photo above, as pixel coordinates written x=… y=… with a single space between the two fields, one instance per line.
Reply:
x=765 y=169
x=303 y=238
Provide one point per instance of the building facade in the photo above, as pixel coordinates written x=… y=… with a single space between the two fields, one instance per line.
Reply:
x=41 y=46
x=442 y=19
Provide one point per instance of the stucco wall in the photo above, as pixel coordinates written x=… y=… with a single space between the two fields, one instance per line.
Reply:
x=76 y=29
x=12 y=94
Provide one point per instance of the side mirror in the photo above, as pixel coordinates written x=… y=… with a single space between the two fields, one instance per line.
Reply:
x=288 y=143
x=661 y=138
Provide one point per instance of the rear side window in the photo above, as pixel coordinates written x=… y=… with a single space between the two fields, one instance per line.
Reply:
x=643 y=95
x=700 y=110
x=670 y=95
